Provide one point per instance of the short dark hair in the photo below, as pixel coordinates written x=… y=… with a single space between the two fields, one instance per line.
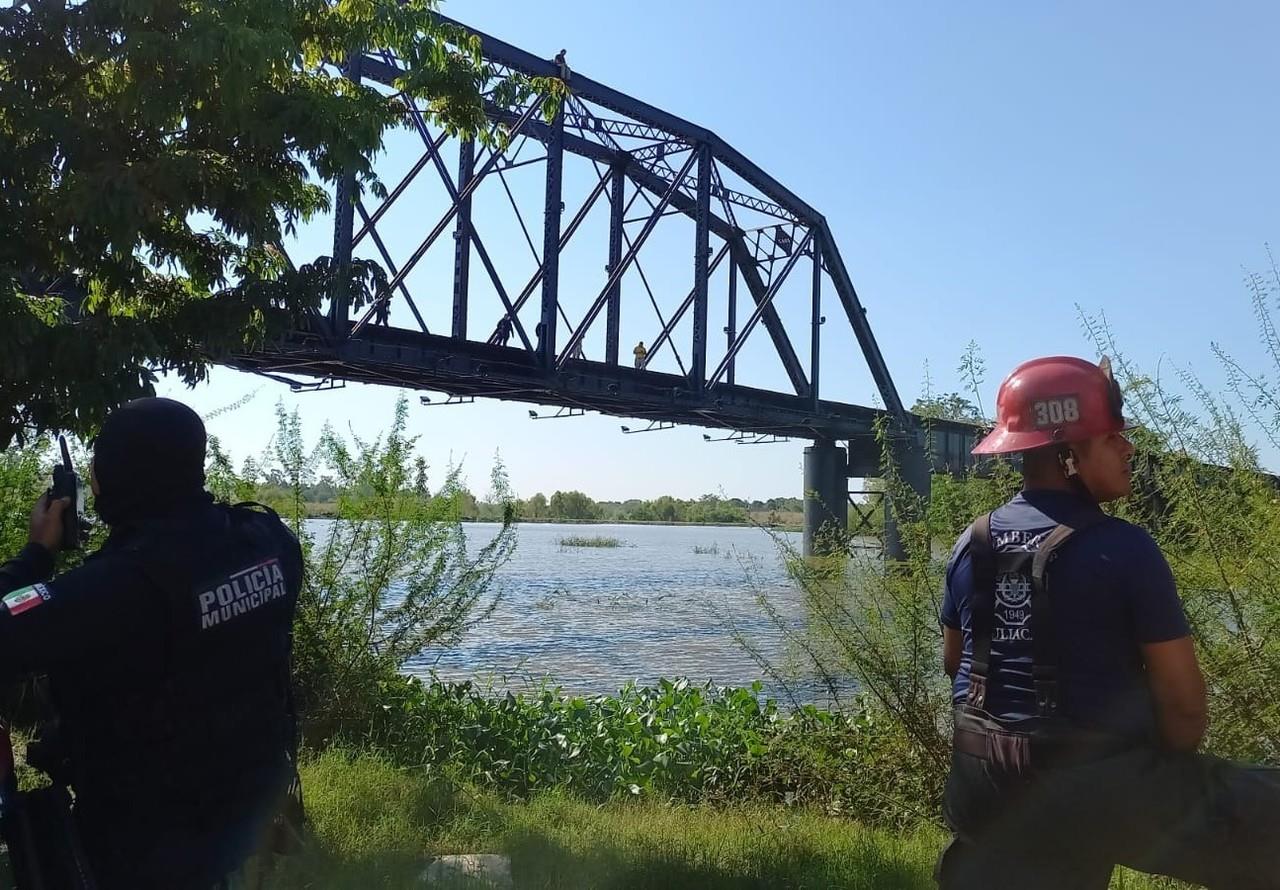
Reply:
x=1041 y=461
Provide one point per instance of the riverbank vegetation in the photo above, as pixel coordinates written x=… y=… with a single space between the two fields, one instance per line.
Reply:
x=592 y=541
x=320 y=501
x=577 y=787
x=375 y=824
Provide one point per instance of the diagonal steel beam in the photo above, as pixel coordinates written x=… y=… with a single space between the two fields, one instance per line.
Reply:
x=684 y=307
x=391 y=266
x=471 y=186
x=742 y=255
x=657 y=310
x=398 y=190
x=616 y=274
x=578 y=217
x=763 y=304
x=773 y=324
x=463 y=203
x=857 y=316
x=641 y=175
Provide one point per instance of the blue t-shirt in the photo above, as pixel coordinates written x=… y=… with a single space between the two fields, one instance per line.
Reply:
x=1110 y=591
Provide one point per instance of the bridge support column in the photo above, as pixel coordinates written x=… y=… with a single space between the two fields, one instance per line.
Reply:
x=914 y=472
x=826 y=495
x=344 y=209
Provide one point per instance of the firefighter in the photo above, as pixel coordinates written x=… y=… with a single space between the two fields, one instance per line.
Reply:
x=1079 y=703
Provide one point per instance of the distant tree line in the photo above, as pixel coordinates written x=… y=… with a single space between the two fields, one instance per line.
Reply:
x=576 y=506
x=321 y=494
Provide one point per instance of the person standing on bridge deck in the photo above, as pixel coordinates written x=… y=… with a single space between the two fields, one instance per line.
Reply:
x=1079 y=703
x=502 y=333
x=167 y=658
x=640 y=353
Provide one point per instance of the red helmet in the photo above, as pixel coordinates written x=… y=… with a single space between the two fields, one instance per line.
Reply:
x=1054 y=401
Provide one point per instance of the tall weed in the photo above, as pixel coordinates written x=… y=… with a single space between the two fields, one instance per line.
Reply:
x=392 y=574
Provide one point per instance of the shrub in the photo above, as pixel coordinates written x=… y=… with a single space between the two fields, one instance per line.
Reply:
x=389 y=576
x=596 y=541
x=673 y=740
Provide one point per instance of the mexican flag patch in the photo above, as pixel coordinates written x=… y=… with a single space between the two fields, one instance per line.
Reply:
x=26 y=598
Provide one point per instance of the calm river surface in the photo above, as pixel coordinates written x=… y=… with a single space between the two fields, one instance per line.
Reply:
x=594 y=618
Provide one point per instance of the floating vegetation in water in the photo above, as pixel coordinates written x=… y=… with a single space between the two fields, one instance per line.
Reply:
x=596 y=541
x=713 y=550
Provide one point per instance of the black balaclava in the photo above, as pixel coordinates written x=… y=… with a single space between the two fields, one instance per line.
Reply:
x=148 y=460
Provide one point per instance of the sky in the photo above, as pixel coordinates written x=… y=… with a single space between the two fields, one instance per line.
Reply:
x=990 y=171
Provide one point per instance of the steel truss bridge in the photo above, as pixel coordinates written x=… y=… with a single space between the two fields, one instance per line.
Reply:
x=749 y=237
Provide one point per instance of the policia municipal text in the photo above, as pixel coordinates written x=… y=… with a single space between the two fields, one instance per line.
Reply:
x=1079 y=703
x=167 y=660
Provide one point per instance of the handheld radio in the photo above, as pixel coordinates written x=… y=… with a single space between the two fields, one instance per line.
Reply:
x=66 y=484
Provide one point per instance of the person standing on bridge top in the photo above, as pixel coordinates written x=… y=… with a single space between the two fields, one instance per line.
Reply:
x=640 y=353
x=1079 y=703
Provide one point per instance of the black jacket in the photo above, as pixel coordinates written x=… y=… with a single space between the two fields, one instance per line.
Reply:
x=167 y=656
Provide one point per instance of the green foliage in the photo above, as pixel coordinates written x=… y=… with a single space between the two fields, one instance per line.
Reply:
x=594 y=541
x=880 y=629
x=154 y=155
x=947 y=406
x=1216 y=515
x=952 y=405
x=1199 y=490
x=25 y=473
x=572 y=505
x=851 y=763
x=390 y=575
x=674 y=740
x=706 y=509
x=375 y=825
x=535 y=507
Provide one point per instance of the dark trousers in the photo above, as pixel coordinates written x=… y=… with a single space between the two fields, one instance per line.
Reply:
x=1188 y=816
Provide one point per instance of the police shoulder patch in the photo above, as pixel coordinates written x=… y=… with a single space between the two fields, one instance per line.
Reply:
x=26 y=598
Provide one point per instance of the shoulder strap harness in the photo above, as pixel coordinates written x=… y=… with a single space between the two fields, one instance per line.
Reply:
x=988 y=567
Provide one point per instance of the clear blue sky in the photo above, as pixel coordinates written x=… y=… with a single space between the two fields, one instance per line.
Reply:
x=984 y=168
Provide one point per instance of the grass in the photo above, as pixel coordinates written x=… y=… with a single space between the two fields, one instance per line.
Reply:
x=375 y=825
x=710 y=550
x=595 y=541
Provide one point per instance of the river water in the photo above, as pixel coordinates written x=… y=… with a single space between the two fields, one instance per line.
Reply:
x=664 y=604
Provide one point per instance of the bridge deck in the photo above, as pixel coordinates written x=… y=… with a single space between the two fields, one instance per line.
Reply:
x=411 y=359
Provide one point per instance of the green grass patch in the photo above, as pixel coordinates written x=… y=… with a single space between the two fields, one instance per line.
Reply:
x=592 y=541
x=375 y=825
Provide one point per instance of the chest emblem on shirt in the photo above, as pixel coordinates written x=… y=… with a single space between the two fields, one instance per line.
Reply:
x=27 y=598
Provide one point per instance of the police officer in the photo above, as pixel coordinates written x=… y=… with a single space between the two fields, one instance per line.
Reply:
x=1079 y=701
x=167 y=657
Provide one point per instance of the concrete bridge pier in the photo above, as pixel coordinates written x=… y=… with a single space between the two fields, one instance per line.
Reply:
x=826 y=496
x=914 y=470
